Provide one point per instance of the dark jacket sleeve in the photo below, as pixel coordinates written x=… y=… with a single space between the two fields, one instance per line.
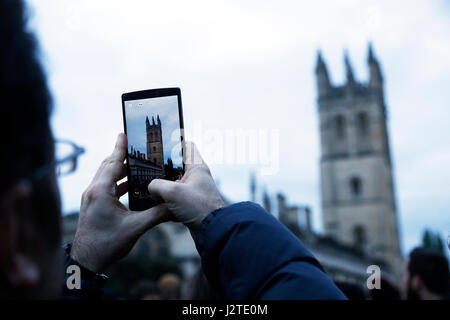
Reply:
x=248 y=254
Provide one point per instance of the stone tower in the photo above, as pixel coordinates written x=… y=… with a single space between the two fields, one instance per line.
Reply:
x=358 y=200
x=154 y=141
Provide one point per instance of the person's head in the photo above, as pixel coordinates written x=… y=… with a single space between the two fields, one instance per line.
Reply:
x=351 y=291
x=30 y=263
x=197 y=287
x=145 y=290
x=169 y=286
x=388 y=291
x=426 y=275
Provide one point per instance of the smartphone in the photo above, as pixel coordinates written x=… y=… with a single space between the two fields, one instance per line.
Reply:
x=153 y=123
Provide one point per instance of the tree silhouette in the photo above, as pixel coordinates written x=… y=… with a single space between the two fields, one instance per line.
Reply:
x=433 y=241
x=171 y=172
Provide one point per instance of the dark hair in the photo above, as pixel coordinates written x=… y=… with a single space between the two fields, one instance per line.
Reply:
x=432 y=268
x=351 y=291
x=25 y=110
x=388 y=291
x=143 y=288
x=197 y=287
x=24 y=98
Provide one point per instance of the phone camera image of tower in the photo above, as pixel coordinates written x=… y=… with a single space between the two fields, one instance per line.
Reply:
x=155 y=152
x=358 y=196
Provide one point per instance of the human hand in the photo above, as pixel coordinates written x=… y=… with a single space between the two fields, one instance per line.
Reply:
x=107 y=230
x=194 y=196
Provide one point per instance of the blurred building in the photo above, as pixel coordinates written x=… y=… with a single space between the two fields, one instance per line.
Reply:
x=358 y=198
x=294 y=217
x=342 y=262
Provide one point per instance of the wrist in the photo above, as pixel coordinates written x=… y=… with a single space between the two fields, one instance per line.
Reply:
x=195 y=227
x=85 y=259
x=86 y=274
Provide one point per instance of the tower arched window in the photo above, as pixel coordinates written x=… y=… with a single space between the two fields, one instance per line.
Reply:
x=356 y=186
x=359 y=237
x=154 y=149
x=362 y=121
x=339 y=123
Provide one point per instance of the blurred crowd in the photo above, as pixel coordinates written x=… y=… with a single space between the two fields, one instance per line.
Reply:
x=425 y=277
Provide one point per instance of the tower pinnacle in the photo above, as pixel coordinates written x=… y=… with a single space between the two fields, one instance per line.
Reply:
x=375 y=78
x=323 y=81
x=348 y=69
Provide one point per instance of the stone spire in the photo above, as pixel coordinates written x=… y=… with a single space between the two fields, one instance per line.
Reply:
x=323 y=81
x=375 y=77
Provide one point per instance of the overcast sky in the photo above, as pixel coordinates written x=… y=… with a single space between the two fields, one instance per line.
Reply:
x=250 y=65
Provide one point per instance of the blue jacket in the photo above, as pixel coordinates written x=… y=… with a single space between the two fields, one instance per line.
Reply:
x=248 y=254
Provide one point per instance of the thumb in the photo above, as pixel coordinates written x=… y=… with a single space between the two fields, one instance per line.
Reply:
x=138 y=222
x=164 y=189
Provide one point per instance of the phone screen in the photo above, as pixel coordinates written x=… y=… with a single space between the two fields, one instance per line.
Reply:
x=153 y=128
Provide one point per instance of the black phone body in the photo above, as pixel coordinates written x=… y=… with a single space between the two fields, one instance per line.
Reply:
x=153 y=123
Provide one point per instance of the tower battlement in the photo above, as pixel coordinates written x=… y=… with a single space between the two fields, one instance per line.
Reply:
x=373 y=88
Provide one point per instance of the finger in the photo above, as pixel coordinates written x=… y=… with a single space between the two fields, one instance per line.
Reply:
x=192 y=156
x=164 y=189
x=119 y=145
x=124 y=172
x=122 y=189
x=120 y=149
x=113 y=170
x=140 y=221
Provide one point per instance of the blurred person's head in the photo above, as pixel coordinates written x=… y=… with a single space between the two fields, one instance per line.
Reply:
x=30 y=263
x=197 y=287
x=388 y=291
x=352 y=291
x=169 y=286
x=145 y=290
x=426 y=275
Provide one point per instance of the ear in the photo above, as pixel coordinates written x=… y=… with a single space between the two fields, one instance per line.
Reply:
x=15 y=205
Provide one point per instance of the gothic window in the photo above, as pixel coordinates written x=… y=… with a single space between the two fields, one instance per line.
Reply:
x=154 y=149
x=359 y=237
x=362 y=121
x=339 y=122
x=355 y=186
